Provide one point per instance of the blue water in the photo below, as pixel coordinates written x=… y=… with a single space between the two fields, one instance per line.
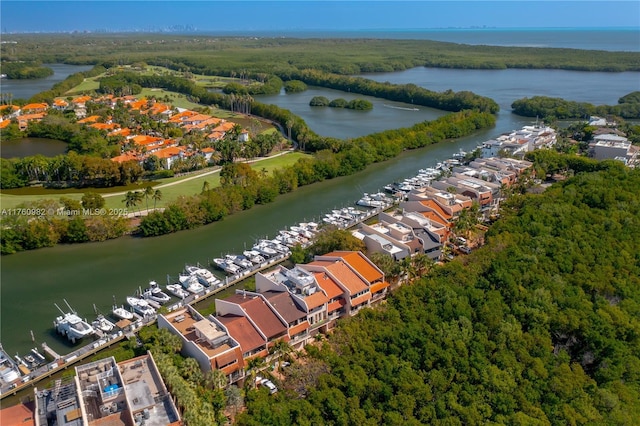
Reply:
x=609 y=39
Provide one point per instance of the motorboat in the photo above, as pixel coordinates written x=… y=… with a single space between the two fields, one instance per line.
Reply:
x=302 y=231
x=265 y=249
x=205 y=276
x=69 y=324
x=274 y=244
x=227 y=265
x=9 y=371
x=240 y=260
x=155 y=293
x=103 y=324
x=254 y=256
x=177 y=290
x=141 y=306
x=190 y=283
x=122 y=312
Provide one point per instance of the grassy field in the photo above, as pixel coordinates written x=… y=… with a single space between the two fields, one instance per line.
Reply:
x=191 y=186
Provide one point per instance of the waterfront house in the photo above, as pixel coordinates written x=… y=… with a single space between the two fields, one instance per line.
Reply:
x=207 y=340
x=304 y=291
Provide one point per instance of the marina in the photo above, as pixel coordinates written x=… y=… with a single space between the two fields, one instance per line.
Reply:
x=195 y=283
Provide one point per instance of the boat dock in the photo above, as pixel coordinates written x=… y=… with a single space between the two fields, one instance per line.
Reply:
x=53 y=354
x=62 y=362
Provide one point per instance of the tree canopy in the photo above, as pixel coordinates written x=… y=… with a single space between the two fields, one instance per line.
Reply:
x=541 y=326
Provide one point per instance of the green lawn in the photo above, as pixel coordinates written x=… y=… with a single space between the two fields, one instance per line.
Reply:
x=88 y=85
x=169 y=193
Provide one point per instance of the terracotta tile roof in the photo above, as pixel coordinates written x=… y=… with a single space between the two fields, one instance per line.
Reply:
x=348 y=278
x=435 y=218
x=169 y=152
x=241 y=329
x=379 y=286
x=35 y=106
x=283 y=303
x=330 y=287
x=120 y=132
x=215 y=135
x=81 y=99
x=146 y=140
x=334 y=306
x=316 y=299
x=260 y=313
x=207 y=150
x=104 y=126
x=127 y=156
x=29 y=117
x=17 y=415
x=60 y=103
x=360 y=263
x=12 y=107
x=4 y=123
x=90 y=119
x=437 y=208
x=138 y=104
x=224 y=127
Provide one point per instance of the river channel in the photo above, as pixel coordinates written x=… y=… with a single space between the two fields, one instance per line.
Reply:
x=90 y=274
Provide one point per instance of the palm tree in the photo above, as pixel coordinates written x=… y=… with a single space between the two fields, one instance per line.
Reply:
x=253 y=366
x=191 y=370
x=148 y=192
x=408 y=270
x=205 y=187
x=129 y=199
x=423 y=264
x=215 y=379
x=137 y=199
x=157 y=196
x=280 y=349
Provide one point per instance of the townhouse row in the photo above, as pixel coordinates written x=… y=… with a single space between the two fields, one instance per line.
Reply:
x=425 y=217
x=289 y=305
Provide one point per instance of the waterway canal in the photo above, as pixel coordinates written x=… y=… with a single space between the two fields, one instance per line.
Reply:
x=90 y=274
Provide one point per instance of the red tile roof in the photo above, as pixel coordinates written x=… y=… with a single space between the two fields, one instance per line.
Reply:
x=360 y=263
x=241 y=329
x=35 y=106
x=17 y=415
x=260 y=313
x=90 y=119
x=327 y=283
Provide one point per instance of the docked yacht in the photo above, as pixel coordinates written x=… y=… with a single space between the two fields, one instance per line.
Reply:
x=69 y=324
x=191 y=283
x=9 y=371
x=205 y=277
x=240 y=260
x=155 y=293
x=254 y=256
x=227 y=265
x=103 y=324
x=141 y=306
x=265 y=249
x=177 y=290
x=121 y=312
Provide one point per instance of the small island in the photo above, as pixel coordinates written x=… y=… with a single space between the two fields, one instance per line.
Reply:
x=25 y=70
x=356 y=104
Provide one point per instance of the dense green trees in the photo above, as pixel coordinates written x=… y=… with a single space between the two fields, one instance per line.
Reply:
x=557 y=108
x=539 y=327
x=25 y=70
x=295 y=86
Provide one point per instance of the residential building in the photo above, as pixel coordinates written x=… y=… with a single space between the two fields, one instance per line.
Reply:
x=209 y=341
x=104 y=393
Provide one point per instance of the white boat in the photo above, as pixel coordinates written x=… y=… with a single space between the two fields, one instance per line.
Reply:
x=205 y=277
x=177 y=290
x=240 y=261
x=103 y=324
x=368 y=201
x=265 y=249
x=191 y=283
x=227 y=265
x=69 y=324
x=121 y=312
x=141 y=306
x=9 y=371
x=254 y=256
x=274 y=244
x=153 y=292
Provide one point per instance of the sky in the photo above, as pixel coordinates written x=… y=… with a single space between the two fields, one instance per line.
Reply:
x=301 y=15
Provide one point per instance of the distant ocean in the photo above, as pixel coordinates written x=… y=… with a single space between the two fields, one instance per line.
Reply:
x=611 y=39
